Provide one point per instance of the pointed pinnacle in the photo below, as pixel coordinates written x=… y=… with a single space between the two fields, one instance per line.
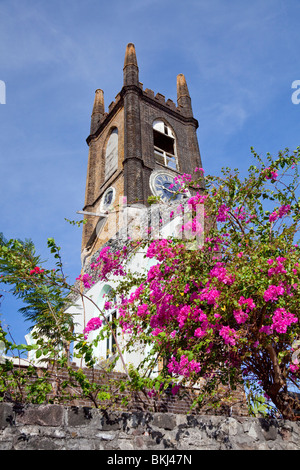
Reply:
x=98 y=110
x=182 y=88
x=130 y=55
x=98 y=107
x=183 y=95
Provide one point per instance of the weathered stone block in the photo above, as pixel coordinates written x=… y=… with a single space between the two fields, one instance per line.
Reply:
x=79 y=416
x=42 y=415
x=105 y=436
x=164 y=421
x=6 y=415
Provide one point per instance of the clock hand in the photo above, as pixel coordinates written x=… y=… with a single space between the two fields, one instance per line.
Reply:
x=166 y=189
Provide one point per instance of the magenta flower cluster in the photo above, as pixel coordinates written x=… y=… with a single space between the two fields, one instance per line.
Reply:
x=272 y=293
x=110 y=262
x=282 y=319
x=86 y=279
x=107 y=262
x=184 y=366
x=229 y=335
x=281 y=212
x=270 y=173
x=277 y=266
x=222 y=213
x=92 y=325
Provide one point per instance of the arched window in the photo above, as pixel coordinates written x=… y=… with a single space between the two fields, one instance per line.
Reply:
x=111 y=316
x=111 y=154
x=108 y=347
x=164 y=144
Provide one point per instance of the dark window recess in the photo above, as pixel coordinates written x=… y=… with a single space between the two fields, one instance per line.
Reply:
x=110 y=341
x=163 y=142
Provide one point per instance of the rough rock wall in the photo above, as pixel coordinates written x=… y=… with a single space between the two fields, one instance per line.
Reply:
x=56 y=427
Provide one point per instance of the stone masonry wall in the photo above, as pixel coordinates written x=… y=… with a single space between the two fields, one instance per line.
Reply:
x=56 y=427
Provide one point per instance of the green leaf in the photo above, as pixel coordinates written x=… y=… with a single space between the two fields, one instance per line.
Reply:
x=21 y=346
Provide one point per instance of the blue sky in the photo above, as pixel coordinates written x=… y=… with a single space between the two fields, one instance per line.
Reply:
x=239 y=58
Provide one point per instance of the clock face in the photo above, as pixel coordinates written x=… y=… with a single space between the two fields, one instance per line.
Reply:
x=162 y=185
x=107 y=199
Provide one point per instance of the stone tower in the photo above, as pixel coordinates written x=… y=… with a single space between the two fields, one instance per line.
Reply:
x=135 y=149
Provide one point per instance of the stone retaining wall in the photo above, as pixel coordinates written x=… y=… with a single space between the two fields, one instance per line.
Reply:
x=57 y=427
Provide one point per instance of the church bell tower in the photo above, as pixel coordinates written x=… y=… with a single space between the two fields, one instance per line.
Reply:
x=136 y=149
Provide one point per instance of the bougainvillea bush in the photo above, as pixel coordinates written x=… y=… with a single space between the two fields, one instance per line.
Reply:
x=226 y=312
x=220 y=313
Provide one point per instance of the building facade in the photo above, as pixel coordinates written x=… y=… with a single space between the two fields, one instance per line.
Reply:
x=136 y=149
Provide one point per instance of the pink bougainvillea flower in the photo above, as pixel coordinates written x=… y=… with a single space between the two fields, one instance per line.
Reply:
x=36 y=270
x=222 y=213
x=266 y=329
x=282 y=319
x=210 y=296
x=184 y=366
x=229 y=335
x=240 y=316
x=282 y=211
x=273 y=216
x=250 y=305
x=86 y=279
x=294 y=367
x=200 y=333
x=272 y=293
x=269 y=173
x=92 y=324
x=110 y=262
